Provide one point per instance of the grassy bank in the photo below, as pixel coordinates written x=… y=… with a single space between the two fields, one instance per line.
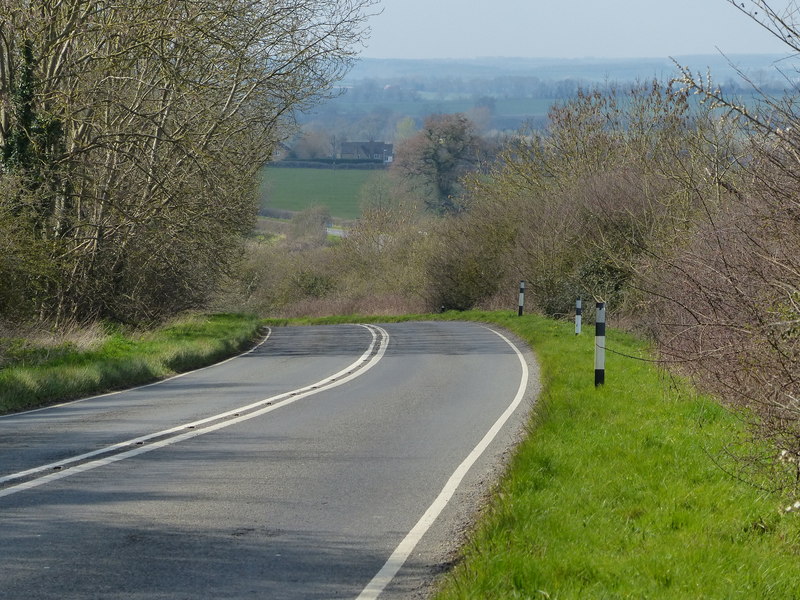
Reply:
x=121 y=360
x=616 y=492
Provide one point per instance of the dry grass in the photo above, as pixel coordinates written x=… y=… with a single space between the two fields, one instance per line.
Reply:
x=44 y=375
x=33 y=343
x=378 y=305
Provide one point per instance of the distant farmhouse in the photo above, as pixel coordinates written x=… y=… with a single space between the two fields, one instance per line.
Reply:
x=368 y=150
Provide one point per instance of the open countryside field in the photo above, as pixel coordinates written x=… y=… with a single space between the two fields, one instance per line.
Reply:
x=299 y=189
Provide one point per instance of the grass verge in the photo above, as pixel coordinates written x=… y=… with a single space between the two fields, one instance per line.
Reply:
x=616 y=493
x=126 y=360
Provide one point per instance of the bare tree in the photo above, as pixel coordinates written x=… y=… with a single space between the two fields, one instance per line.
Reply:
x=585 y=206
x=138 y=128
x=434 y=160
x=731 y=296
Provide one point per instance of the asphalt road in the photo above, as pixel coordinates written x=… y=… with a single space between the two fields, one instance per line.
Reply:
x=329 y=462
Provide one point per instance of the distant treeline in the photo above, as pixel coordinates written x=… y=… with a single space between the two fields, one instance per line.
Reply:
x=420 y=89
x=508 y=94
x=725 y=68
x=486 y=92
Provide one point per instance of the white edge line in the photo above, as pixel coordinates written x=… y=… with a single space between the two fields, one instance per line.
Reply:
x=287 y=397
x=146 y=385
x=406 y=547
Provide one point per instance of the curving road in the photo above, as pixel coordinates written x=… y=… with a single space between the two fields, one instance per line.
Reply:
x=329 y=462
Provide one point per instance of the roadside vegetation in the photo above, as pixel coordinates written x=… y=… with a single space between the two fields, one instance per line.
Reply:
x=131 y=136
x=59 y=369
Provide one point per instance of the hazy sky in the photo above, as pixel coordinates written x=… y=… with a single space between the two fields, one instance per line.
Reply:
x=563 y=29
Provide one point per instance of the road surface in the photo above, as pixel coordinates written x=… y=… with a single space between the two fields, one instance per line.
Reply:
x=329 y=462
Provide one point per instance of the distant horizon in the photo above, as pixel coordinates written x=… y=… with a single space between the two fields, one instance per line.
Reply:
x=763 y=67
x=719 y=55
x=419 y=29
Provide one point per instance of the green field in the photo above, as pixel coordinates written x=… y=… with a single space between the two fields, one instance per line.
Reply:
x=299 y=189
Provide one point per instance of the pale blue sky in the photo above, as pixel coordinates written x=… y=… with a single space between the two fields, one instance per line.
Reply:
x=563 y=29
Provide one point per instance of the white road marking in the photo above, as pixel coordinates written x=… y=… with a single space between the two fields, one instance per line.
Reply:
x=406 y=547
x=140 y=387
x=352 y=371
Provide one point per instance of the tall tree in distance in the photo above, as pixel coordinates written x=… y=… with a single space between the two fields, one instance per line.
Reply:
x=433 y=161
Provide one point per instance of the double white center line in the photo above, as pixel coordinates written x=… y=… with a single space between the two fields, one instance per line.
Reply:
x=44 y=474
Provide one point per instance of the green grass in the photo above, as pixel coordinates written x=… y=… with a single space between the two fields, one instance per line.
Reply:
x=299 y=189
x=616 y=494
x=126 y=360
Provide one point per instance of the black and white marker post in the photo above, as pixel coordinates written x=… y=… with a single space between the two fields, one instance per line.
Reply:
x=600 y=345
x=521 y=297
x=578 y=316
